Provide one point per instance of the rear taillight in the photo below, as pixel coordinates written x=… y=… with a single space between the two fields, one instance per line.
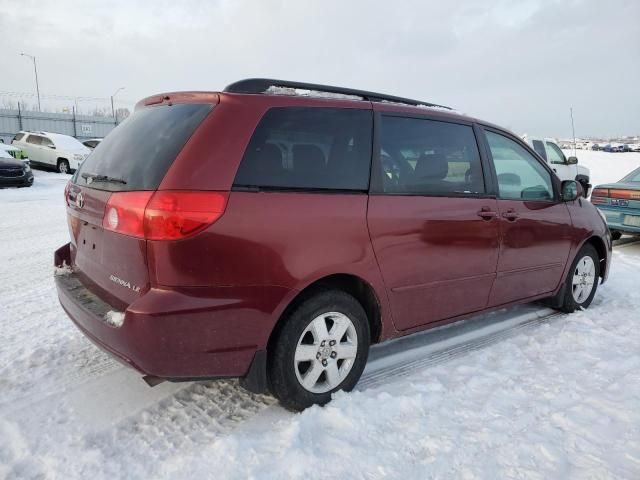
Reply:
x=125 y=213
x=600 y=192
x=625 y=194
x=171 y=215
x=163 y=215
x=66 y=193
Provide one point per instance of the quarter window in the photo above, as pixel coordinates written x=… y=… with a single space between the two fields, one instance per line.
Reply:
x=309 y=148
x=428 y=157
x=18 y=137
x=520 y=175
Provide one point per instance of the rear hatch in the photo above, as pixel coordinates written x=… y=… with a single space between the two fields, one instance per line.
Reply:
x=107 y=197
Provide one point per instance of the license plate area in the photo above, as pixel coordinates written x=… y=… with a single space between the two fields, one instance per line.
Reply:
x=619 y=202
x=89 y=242
x=632 y=220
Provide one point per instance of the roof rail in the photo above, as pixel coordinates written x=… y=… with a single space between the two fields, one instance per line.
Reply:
x=261 y=85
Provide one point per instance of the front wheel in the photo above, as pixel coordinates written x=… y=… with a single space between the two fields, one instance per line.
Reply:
x=616 y=235
x=322 y=347
x=582 y=280
x=63 y=166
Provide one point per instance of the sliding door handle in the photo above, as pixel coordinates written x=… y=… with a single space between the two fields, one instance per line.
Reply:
x=486 y=213
x=510 y=215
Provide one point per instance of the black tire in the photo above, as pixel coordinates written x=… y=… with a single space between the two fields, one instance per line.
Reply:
x=616 y=235
x=281 y=369
x=568 y=303
x=63 y=166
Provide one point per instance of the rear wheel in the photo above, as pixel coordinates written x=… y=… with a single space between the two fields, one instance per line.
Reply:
x=321 y=348
x=63 y=166
x=616 y=235
x=582 y=280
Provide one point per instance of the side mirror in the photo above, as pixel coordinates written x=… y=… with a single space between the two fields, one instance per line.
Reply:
x=52 y=147
x=571 y=190
x=572 y=160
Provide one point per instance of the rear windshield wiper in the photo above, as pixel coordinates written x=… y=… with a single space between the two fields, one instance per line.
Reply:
x=90 y=178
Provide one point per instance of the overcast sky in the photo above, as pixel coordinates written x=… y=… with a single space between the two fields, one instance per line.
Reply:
x=520 y=64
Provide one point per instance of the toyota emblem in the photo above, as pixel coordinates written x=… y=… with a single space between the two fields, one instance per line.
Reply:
x=80 y=200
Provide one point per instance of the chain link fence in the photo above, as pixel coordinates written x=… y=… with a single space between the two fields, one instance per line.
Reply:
x=79 y=117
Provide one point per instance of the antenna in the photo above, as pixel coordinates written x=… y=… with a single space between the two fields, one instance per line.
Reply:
x=573 y=128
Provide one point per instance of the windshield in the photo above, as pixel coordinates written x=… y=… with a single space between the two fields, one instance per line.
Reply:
x=137 y=153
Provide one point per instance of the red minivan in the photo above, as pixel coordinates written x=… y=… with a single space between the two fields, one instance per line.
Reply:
x=275 y=230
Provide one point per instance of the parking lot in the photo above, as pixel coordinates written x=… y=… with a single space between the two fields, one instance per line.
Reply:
x=524 y=388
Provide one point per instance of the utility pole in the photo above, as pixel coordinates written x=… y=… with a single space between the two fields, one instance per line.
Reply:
x=573 y=129
x=113 y=111
x=35 y=69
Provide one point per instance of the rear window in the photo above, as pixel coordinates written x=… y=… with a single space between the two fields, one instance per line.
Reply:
x=538 y=146
x=309 y=148
x=141 y=149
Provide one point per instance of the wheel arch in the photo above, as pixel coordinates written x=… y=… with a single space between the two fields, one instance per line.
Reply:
x=601 y=249
x=354 y=285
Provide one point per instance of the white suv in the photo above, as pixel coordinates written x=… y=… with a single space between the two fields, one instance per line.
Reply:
x=565 y=168
x=62 y=152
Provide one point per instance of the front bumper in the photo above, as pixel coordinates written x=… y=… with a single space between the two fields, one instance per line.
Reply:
x=177 y=334
x=25 y=180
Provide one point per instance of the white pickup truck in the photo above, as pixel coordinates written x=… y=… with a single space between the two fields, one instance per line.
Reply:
x=565 y=168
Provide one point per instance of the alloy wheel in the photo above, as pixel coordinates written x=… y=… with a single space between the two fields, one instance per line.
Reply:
x=584 y=278
x=326 y=352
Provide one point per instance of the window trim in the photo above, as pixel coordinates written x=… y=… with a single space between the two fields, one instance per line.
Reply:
x=494 y=176
x=375 y=186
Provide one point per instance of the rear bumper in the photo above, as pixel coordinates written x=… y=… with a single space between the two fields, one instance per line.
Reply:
x=199 y=333
x=615 y=218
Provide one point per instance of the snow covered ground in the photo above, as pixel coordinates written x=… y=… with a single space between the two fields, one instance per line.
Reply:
x=522 y=393
x=606 y=167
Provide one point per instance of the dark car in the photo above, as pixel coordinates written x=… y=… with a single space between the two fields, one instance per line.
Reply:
x=14 y=173
x=275 y=230
x=620 y=204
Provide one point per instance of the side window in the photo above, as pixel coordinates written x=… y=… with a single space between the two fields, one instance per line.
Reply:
x=46 y=142
x=554 y=154
x=538 y=146
x=18 y=137
x=520 y=174
x=309 y=148
x=34 y=139
x=419 y=156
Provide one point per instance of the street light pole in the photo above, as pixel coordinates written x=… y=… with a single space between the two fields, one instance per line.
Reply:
x=113 y=111
x=35 y=69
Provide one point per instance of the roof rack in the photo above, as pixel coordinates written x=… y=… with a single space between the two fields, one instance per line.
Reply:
x=261 y=85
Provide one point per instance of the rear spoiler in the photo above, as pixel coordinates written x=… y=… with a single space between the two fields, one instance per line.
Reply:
x=179 y=97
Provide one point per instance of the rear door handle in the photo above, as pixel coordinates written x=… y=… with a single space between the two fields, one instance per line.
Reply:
x=486 y=213
x=510 y=215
